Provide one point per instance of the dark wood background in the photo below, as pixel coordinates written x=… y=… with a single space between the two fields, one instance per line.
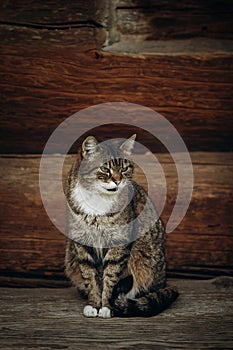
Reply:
x=58 y=58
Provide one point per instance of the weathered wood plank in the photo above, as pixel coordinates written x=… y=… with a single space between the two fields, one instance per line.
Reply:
x=31 y=246
x=196 y=47
x=158 y=20
x=48 y=75
x=50 y=13
x=20 y=280
x=201 y=318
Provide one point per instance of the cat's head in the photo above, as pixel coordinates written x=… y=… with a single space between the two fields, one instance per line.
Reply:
x=106 y=167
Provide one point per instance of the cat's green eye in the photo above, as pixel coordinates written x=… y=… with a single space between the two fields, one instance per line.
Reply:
x=124 y=169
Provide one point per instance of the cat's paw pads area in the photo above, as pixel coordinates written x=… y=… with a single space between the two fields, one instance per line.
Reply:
x=105 y=312
x=90 y=311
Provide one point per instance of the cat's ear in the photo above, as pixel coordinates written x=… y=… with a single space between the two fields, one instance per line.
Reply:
x=89 y=146
x=127 y=146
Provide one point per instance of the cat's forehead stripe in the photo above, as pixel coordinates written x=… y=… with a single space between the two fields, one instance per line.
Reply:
x=117 y=162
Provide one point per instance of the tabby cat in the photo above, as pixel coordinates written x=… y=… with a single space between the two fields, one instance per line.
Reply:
x=120 y=271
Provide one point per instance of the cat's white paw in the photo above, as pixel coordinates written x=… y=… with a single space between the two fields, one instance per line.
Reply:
x=90 y=311
x=104 y=312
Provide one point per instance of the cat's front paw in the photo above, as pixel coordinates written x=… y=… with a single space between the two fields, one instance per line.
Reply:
x=90 y=311
x=105 y=312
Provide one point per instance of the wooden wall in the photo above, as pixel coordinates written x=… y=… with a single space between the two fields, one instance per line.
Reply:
x=52 y=66
x=164 y=20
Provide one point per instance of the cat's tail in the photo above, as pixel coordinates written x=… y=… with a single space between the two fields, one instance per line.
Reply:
x=145 y=306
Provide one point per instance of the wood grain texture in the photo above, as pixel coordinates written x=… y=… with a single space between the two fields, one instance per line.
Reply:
x=52 y=66
x=201 y=318
x=31 y=247
x=162 y=20
x=47 y=75
x=195 y=47
x=51 y=13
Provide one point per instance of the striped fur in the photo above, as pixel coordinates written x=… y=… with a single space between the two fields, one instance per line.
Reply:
x=119 y=271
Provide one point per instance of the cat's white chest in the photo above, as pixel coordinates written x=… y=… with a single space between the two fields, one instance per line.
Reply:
x=91 y=203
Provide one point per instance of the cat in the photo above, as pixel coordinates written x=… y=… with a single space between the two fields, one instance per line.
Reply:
x=120 y=271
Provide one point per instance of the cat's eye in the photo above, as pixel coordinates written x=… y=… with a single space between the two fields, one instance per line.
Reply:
x=104 y=169
x=124 y=169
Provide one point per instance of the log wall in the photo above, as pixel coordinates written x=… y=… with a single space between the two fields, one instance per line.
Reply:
x=30 y=245
x=163 y=20
x=53 y=64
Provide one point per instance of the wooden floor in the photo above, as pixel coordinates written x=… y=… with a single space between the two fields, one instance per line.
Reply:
x=202 y=318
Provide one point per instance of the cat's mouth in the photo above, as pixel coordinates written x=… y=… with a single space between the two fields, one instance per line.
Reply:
x=112 y=189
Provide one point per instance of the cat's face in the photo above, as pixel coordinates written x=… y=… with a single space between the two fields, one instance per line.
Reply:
x=105 y=168
x=114 y=175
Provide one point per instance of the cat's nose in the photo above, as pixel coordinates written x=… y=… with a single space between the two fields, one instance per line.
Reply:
x=116 y=180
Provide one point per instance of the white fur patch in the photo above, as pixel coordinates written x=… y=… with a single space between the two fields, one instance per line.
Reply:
x=104 y=312
x=109 y=185
x=99 y=249
x=92 y=203
x=132 y=293
x=90 y=311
